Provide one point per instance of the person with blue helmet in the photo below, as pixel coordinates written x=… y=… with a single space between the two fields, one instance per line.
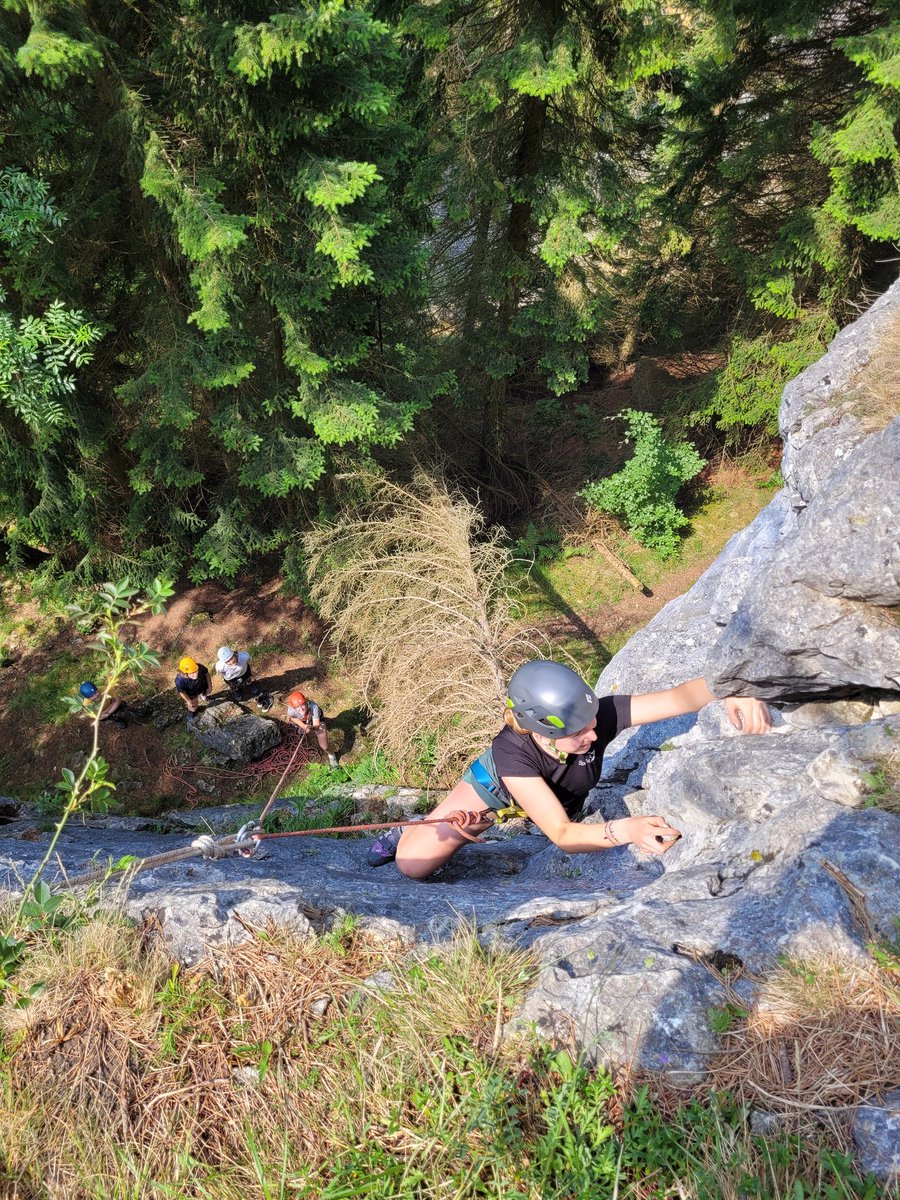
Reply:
x=546 y=760
x=114 y=710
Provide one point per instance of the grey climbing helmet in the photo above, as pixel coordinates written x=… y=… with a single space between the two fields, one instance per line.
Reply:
x=551 y=699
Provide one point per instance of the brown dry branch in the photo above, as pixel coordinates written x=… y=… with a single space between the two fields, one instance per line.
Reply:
x=582 y=525
x=418 y=596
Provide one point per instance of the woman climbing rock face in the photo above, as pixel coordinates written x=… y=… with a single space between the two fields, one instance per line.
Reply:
x=546 y=760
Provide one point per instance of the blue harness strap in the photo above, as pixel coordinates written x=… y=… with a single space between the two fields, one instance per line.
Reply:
x=480 y=775
x=484 y=777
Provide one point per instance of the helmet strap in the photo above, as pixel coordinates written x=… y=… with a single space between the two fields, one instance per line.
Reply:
x=560 y=754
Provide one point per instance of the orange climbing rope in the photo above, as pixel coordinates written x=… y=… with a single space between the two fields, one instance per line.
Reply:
x=299 y=753
x=460 y=820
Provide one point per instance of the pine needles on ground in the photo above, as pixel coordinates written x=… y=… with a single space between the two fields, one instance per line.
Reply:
x=418 y=596
x=876 y=393
x=822 y=1038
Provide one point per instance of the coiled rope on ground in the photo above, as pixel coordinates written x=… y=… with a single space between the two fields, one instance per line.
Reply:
x=276 y=759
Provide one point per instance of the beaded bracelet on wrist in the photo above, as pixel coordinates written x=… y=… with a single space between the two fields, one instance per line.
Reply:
x=609 y=835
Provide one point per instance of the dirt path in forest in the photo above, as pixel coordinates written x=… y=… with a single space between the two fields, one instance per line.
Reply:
x=630 y=613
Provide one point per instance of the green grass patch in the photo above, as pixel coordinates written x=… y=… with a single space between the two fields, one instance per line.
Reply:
x=577 y=584
x=321 y=816
x=721 y=510
x=318 y=779
x=882 y=784
x=41 y=696
x=267 y=650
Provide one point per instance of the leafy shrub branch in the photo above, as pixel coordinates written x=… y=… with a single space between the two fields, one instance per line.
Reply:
x=109 y=609
x=643 y=493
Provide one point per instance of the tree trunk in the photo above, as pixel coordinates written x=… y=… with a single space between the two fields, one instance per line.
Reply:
x=474 y=302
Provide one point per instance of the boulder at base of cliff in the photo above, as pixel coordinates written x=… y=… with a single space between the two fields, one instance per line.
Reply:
x=232 y=731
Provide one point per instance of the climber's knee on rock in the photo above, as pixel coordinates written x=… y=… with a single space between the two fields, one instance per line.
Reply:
x=414 y=868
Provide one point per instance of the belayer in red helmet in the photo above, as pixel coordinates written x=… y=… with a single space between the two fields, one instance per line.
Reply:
x=307 y=716
x=546 y=760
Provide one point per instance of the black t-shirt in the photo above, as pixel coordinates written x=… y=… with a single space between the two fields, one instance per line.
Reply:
x=193 y=687
x=520 y=757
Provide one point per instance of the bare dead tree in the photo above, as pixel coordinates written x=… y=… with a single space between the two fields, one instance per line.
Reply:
x=418 y=595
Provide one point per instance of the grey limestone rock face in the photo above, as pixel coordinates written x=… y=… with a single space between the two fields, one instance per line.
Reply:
x=822 y=614
x=622 y=939
x=746 y=883
x=230 y=730
x=876 y=1136
x=848 y=541
x=817 y=422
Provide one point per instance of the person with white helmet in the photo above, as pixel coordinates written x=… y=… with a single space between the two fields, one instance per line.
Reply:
x=234 y=667
x=546 y=760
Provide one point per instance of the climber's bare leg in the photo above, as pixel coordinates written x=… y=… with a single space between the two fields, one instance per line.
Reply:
x=423 y=849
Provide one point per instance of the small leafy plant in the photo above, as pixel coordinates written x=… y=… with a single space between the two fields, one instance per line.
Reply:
x=643 y=493
x=725 y=1017
x=539 y=543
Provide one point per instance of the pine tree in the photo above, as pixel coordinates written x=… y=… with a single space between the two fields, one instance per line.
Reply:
x=762 y=96
x=234 y=184
x=531 y=174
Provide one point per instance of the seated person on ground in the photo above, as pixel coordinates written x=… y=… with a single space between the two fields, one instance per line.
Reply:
x=307 y=715
x=546 y=760
x=192 y=683
x=114 y=710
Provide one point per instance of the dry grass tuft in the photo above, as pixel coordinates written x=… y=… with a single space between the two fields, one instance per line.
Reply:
x=417 y=594
x=823 y=1037
x=876 y=390
x=156 y=1057
x=883 y=784
x=129 y=1069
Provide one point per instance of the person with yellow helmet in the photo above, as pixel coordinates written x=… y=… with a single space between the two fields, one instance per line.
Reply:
x=192 y=683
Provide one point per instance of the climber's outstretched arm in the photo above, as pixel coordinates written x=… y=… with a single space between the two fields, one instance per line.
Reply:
x=745 y=712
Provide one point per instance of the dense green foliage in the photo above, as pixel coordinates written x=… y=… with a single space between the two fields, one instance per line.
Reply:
x=244 y=244
x=742 y=397
x=233 y=185
x=643 y=493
